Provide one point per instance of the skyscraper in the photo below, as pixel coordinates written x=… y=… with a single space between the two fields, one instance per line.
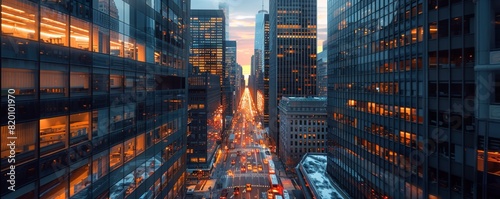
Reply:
x=207 y=56
x=401 y=87
x=208 y=46
x=231 y=64
x=293 y=55
x=100 y=99
x=266 y=70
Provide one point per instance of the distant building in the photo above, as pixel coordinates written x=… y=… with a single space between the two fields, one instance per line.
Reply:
x=292 y=70
x=322 y=70
x=230 y=74
x=303 y=127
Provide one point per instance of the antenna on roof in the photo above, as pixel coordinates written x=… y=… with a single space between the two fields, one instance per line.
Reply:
x=262 y=4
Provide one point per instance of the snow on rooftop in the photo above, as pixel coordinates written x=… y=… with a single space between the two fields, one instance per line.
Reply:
x=314 y=167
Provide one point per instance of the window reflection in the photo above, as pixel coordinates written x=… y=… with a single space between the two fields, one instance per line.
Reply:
x=53 y=134
x=100 y=40
x=100 y=165
x=53 y=27
x=19 y=19
x=116 y=44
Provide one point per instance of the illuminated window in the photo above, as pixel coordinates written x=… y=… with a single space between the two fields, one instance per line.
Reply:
x=53 y=27
x=79 y=127
x=53 y=134
x=116 y=156
x=19 y=19
x=80 y=34
x=100 y=40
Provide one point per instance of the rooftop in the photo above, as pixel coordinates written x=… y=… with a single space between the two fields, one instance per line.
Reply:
x=313 y=168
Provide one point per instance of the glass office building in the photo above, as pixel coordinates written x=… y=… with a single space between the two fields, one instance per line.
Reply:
x=207 y=53
x=100 y=98
x=292 y=54
x=401 y=89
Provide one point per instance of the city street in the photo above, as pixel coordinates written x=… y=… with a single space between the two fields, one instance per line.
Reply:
x=244 y=164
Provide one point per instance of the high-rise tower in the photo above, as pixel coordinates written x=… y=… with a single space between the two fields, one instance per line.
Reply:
x=293 y=55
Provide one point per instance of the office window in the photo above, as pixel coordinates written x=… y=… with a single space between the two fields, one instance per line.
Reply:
x=100 y=165
x=79 y=81
x=79 y=34
x=53 y=27
x=53 y=134
x=433 y=30
x=456 y=26
x=56 y=188
x=20 y=19
x=116 y=44
x=25 y=141
x=443 y=28
x=53 y=81
x=116 y=156
x=79 y=177
x=79 y=127
x=21 y=76
x=140 y=143
x=100 y=39
x=129 y=149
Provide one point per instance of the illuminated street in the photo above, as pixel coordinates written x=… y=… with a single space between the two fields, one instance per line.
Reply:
x=245 y=161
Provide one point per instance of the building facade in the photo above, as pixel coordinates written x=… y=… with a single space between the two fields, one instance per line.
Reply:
x=293 y=56
x=303 y=127
x=487 y=99
x=100 y=98
x=400 y=79
x=204 y=122
x=208 y=49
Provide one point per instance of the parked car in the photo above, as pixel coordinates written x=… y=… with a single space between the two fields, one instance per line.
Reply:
x=236 y=191
x=249 y=187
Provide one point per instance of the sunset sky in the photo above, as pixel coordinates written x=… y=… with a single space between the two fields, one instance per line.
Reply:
x=242 y=24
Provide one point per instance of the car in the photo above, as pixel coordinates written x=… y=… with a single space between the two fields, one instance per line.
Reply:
x=229 y=172
x=248 y=187
x=255 y=170
x=249 y=153
x=265 y=161
x=249 y=167
x=267 y=153
x=238 y=153
x=236 y=191
x=243 y=169
x=233 y=162
x=259 y=167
